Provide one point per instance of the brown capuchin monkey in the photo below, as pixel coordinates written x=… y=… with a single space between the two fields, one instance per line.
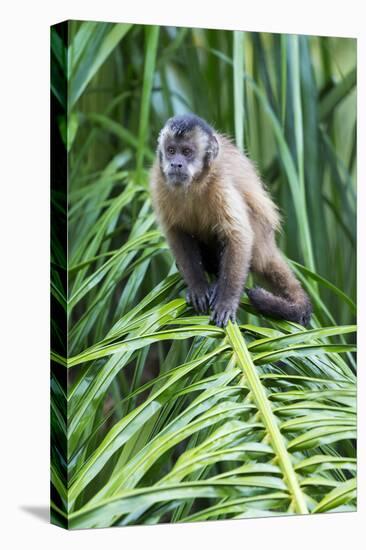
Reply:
x=219 y=220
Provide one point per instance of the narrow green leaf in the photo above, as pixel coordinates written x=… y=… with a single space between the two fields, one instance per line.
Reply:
x=265 y=410
x=152 y=37
x=238 y=72
x=340 y=495
x=81 y=67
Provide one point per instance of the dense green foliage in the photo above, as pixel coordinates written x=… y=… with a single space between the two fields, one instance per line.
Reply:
x=169 y=417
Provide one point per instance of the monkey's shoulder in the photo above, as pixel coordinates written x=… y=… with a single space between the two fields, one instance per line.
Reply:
x=238 y=171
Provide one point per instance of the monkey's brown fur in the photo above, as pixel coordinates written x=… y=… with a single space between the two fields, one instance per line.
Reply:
x=226 y=209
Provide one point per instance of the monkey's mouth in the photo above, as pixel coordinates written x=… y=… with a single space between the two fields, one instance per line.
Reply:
x=177 y=178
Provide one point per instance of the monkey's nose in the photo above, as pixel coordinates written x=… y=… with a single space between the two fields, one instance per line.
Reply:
x=175 y=165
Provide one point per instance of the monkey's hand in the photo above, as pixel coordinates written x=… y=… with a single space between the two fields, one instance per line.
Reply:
x=223 y=311
x=199 y=298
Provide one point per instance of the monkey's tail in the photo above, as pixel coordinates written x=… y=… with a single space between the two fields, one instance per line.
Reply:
x=296 y=308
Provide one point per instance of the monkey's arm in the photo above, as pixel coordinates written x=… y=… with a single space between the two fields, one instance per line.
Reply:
x=237 y=234
x=234 y=267
x=188 y=257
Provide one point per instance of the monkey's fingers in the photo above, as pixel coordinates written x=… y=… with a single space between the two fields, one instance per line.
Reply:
x=213 y=294
x=191 y=300
x=199 y=300
x=202 y=304
x=218 y=319
x=221 y=316
x=196 y=304
x=206 y=300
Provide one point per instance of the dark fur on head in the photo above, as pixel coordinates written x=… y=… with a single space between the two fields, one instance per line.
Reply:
x=183 y=124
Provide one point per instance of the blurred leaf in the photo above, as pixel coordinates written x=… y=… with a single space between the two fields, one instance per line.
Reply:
x=92 y=45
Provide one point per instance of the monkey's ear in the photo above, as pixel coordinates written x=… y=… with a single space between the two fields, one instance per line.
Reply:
x=213 y=148
x=160 y=139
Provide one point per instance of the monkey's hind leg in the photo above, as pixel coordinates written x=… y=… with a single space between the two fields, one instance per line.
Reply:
x=289 y=300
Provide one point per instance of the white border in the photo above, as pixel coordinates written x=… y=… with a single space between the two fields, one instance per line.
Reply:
x=24 y=198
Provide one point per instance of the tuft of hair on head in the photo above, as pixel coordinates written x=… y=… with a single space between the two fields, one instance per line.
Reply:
x=182 y=124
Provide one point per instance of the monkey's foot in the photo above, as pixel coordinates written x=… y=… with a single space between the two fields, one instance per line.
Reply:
x=222 y=313
x=199 y=298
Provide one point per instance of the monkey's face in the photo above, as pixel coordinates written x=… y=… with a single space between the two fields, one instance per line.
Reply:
x=178 y=161
x=185 y=156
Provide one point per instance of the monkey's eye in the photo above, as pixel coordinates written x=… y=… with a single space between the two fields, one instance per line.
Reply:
x=171 y=150
x=187 y=152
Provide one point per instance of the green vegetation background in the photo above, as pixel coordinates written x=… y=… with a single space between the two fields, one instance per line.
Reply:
x=170 y=418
